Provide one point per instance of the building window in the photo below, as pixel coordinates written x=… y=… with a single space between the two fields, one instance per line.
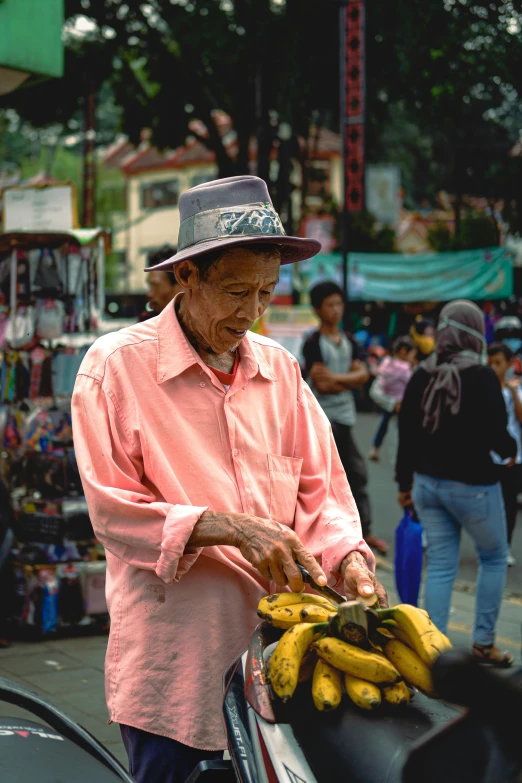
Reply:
x=155 y=195
x=200 y=179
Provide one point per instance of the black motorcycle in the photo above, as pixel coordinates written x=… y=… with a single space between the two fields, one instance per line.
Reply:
x=426 y=741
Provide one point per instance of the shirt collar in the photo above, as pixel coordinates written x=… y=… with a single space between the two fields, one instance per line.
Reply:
x=176 y=354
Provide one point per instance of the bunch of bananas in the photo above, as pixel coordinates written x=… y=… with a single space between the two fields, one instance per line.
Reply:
x=389 y=653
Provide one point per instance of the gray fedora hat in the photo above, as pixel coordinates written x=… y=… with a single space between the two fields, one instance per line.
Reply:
x=233 y=211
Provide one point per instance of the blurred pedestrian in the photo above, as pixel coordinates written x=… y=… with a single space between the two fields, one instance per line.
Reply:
x=334 y=369
x=392 y=376
x=452 y=417
x=422 y=333
x=500 y=360
x=508 y=330
x=162 y=285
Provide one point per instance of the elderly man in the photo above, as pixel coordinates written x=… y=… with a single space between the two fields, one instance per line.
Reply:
x=210 y=470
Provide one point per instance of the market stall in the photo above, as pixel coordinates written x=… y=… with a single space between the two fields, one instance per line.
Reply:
x=51 y=301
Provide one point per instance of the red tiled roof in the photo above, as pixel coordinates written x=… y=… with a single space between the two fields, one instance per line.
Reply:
x=146 y=157
x=117 y=153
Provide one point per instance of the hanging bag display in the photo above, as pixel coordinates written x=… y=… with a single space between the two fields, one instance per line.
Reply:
x=20 y=328
x=50 y=318
x=47 y=278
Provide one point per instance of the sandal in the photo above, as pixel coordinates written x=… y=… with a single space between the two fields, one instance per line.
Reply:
x=488 y=655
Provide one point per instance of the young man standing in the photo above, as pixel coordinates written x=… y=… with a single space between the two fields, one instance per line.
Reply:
x=162 y=284
x=333 y=369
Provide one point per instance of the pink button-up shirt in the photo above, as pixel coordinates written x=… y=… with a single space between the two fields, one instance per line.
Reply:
x=158 y=441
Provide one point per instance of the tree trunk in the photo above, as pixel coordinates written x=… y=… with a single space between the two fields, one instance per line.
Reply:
x=214 y=143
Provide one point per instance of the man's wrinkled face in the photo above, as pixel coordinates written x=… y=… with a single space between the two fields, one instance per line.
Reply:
x=236 y=292
x=161 y=290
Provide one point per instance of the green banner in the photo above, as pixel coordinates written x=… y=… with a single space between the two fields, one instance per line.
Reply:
x=437 y=277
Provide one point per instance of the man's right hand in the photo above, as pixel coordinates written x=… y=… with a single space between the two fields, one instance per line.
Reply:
x=274 y=549
x=269 y=546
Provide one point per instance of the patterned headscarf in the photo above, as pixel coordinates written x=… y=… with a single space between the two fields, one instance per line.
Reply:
x=460 y=343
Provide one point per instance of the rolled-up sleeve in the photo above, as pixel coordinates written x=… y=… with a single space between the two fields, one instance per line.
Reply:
x=326 y=520
x=126 y=516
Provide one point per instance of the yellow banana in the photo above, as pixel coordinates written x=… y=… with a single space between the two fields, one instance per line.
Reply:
x=307 y=668
x=395 y=631
x=311 y=613
x=284 y=616
x=327 y=689
x=370 y=666
x=423 y=635
x=397 y=694
x=287 y=657
x=278 y=600
x=410 y=665
x=364 y=694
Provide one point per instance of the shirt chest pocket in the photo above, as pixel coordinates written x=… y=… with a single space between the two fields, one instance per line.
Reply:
x=284 y=474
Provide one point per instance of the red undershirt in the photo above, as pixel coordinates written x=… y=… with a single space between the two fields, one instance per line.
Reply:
x=227 y=378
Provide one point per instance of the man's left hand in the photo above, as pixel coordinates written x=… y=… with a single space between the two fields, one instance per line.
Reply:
x=360 y=581
x=320 y=372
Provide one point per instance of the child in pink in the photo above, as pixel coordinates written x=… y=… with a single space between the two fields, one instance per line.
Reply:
x=392 y=377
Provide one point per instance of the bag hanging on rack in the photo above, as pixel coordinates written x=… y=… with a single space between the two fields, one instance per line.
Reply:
x=20 y=328
x=23 y=277
x=47 y=277
x=50 y=318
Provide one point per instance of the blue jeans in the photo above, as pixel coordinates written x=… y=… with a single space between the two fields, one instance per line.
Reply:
x=383 y=429
x=157 y=759
x=444 y=508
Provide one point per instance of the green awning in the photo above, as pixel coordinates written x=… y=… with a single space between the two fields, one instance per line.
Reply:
x=438 y=277
x=26 y=240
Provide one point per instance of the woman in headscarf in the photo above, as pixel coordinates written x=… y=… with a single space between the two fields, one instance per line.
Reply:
x=452 y=417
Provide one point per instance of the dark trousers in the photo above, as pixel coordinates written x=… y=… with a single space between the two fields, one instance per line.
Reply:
x=156 y=759
x=382 y=430
x=355 y=469
x=510 y=480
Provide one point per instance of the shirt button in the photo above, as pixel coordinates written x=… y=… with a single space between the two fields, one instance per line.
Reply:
x=235 y=452
x=202 y=385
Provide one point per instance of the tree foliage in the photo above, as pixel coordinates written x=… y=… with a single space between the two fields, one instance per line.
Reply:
x=443 y=79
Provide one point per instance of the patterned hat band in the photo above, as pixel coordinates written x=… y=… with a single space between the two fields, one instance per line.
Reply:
x=247 y=220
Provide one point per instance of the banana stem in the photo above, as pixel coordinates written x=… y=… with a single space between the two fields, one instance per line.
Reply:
x=385 y=614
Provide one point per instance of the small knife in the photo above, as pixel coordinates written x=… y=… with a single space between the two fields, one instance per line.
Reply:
x=328 y=592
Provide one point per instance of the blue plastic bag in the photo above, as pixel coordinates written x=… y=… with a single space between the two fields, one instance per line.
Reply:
x=408 y=557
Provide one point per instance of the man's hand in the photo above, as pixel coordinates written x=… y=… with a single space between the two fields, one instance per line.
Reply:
x=360 y=581
x=320 y=372
x=405 y=499
x=324 y=380
x=273 y=549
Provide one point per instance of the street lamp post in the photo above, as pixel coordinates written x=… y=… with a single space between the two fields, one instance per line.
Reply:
x=352 y=111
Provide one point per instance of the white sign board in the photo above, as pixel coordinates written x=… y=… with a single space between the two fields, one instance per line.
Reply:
x=383 y=193
x=38 y=209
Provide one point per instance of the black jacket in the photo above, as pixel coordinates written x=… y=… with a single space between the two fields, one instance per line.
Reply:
x=460 y=449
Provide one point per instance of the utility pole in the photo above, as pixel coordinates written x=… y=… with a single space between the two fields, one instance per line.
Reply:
x=89 y=161
x=352 y=110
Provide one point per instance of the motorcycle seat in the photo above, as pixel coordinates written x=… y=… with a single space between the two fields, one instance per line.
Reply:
x=356 y=746
x=31 y=751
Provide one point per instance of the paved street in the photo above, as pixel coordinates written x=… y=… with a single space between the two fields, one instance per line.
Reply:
x=70 y=671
